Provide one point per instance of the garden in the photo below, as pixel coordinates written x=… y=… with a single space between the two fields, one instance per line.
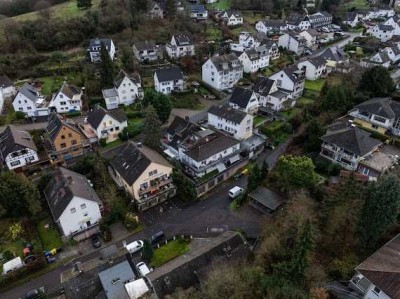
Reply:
x=169 y=251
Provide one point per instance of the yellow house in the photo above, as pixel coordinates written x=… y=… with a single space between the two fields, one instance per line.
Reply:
x=143 y=173
x=65 y=141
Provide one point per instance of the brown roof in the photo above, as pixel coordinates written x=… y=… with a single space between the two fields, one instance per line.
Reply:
x=383 y=268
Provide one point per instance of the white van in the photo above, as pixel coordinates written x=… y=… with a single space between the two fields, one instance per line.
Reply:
x=142 y=269
x=12 y=265
x=235 y=192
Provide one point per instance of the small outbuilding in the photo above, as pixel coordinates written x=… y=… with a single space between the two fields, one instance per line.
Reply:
x=265 y=200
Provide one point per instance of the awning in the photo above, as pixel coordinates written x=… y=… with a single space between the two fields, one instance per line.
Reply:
x=234 y=158
x=221 y=167
x=169 y=153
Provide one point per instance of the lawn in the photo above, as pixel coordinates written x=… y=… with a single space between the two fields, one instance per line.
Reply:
x=6 y=244
x=221 y=5
x=290 y=113
x=113 y=144
x=49 y=237
x=61 y=11
x=50 y=84
x=268 y=72
x=213 y=33
x=169 y=251
x=314 y=85
x=137 y=121
x=252 y=18
x=208 y=176
x=303 y=101
x=186 y=100
x=258 y=120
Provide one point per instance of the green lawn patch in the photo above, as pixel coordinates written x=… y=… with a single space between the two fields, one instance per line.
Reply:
x=49 y=237
x=213 y=33
x=252 y=17
x=137 y=121
x=221 y=5
x=268 y=72
x=113 y=144
x=258 y=120
x=290 y=113
x=50 y=84
x=303 y=101
x=169 y=251
x=314 y=85
x=208 y=176
x=186 y=100
x=6 y=243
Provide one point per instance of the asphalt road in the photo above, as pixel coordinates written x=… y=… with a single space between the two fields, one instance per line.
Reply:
x=204 y=218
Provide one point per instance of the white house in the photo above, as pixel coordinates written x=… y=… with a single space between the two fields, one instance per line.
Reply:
x=273 y=49
x=147 y=51
x=376 y=13
x=381 y=58
x=254 y=59
x=298 y=22
x=106 y=124
x=198 y=12
x=228 y=119
x=377 y=276
x=292 y=42
x=351 y=19
x=30 y=101
x=244 y=100
x=222 y=71
x=73 y=203
x=320 y=19
x=7 y=87
x=393 y=52
x=382 y=32
x=17 y=148
x=291 y=80
x=157 y=9
x=348 y=146
x=270 y=96
x=143 y=173
x=310 y=36
x=127 y=89
x=67 y=99
x=394 y=22
x=314 y=67
x=181 y=45
x=95 y=47
x=247 y=40
x=231 y=18
x=168 y=80
x=271 y=26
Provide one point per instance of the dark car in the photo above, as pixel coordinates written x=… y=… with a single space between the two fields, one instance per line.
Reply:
x=96 y=241
x=35 y=293
x=156 y=237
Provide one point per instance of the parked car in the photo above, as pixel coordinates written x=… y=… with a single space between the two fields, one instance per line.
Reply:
x=235 y=192
x=96 y=241
x=142 y=269
x=35 y=293
x=135 y=246
x=324 y=29
x=156 y=237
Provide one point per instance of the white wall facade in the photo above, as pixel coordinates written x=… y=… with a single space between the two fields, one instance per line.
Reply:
x=129 y=91
x=109 y=128
x=382 y=35
x=24 y=104
x=167 y=87
x=312 y=72
x=63 y=104
x=95 y=52
x=21 y=158
x=220 y=80
x=78 y=215
x=240 y=131
x=252 y=105
x=234 y=21
x=289 y=43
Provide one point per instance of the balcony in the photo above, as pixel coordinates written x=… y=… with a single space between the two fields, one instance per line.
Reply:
x=155 y=185
x=166 y=190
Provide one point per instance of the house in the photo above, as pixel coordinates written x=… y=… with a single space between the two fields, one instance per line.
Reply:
x=273 y=49
x=222 y=71
x=114 y=280
x=320 y=19
x=348 y=146
x=7 y=87
x=393 y=53
x=310 y=4
x=127 y=89
x=381 y=58
x=254 y=59
x=336 y=59
x=376 y=13
x=378 y=114
x=198 y=12
x=95 y=47
x=181 y=45
x=394 y=22
x=67 y=99
x=157 y=9
x=270 y=96
x=30 y=101
x=272 y=26
x=201 y=151
x=298 y=22
x=73 y=203
x=351 y=19
x=184 y=271
x=378 y=276
x=244 y=100
x=310 y=35
x=17 y=148
x=315 y=67
x=290 y=80
x=63 y=139
x=147 y=51
x=382 y=32
x=144 y=174
x=168 y=80
x=231 y=18
x=293 y=42
x=247 y=40
x=235 y=122
x=106 y=124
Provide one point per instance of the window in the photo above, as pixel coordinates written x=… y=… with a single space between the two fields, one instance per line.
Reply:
x=29 y=108
x=61 y=96
x=377 y=290
x=83 y=206
x=154 y=172
x=62 y=136
x=63 y=103
x=73 y=142
x=116 y=128
x=21 y=109
x=85 y=214
x=31 y=158
x=63 y=145
x=15 y=163
x=374 y=126
x=110 y=122
x=73 y=210
x=112 y=130
x=69 y=134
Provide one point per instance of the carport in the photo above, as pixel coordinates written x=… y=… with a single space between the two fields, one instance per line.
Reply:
x=265 y=200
